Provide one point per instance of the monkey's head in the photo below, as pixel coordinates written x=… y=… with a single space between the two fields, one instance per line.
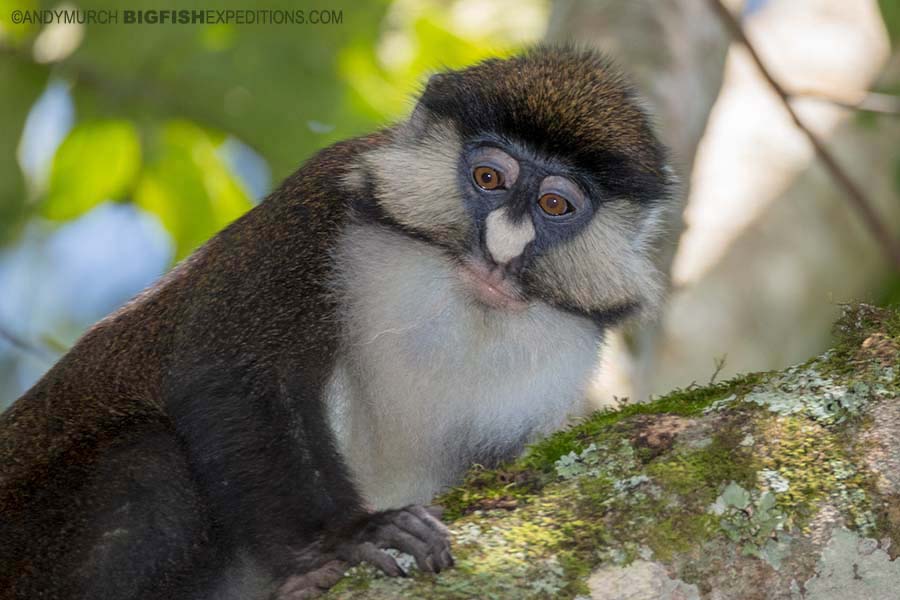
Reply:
x=539 y=175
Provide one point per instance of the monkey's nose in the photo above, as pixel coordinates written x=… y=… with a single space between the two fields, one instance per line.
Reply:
x=505 y=239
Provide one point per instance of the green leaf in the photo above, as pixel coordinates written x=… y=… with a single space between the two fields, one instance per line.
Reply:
x=97 y=161
x=188 y=187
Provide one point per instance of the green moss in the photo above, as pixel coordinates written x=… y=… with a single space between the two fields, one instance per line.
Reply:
x=593 y=492
x=691 y=401
x=801 y=453
x=679 y=533
x=356 y=580
x=697 y=475
x=688 y=481
x=507 y=486
x=583 y=535
x=544 y=549
x=577 y=570
x=814 y=463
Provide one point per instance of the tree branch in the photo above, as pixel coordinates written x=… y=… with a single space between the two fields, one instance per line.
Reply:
x=884 y=104
x=855 y=196
x=23 y=346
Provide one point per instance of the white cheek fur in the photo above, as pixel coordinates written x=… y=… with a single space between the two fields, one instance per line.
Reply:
x=604 y=266
x=430 y=378
x=416 y=181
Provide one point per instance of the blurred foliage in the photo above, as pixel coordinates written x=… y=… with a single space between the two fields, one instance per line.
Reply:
x=98 y=160
x=890 y=11
x=184 y=165
x=154 y=103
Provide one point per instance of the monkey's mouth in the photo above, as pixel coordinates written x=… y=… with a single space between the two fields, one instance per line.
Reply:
x=491 y=286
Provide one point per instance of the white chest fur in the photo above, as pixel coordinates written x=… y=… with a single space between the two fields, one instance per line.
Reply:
x=430 y=380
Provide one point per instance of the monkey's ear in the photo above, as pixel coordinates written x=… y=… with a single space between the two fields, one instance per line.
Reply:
x=435 y=81
x=421 y=116
x=419 y=119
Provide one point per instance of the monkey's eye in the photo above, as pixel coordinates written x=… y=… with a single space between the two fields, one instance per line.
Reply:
x=488 y=178
x=554 y=205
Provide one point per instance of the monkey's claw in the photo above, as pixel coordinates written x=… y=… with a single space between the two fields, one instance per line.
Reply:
x=413 y=530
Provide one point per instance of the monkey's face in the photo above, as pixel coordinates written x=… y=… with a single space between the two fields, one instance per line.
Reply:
x=539 y=177
x=520 y=204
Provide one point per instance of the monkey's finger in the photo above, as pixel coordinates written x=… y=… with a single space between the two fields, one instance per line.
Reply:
x=329 y=574
x=432 y=516
x=426 y=527
x=296 y=588
x=312 y=584
x=370 y=553
x=422 y=525
x=447 y=559
x=397 y=538
x=298 y=593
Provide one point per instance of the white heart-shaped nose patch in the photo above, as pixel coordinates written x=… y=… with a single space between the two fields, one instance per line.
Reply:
x=505 y=239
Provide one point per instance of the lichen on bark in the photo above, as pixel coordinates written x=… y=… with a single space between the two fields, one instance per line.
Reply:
x=771 y=485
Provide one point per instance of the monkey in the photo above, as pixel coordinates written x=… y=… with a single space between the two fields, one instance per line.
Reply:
x=289 y=398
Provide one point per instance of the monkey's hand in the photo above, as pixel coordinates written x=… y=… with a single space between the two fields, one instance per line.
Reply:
x=414 y=530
